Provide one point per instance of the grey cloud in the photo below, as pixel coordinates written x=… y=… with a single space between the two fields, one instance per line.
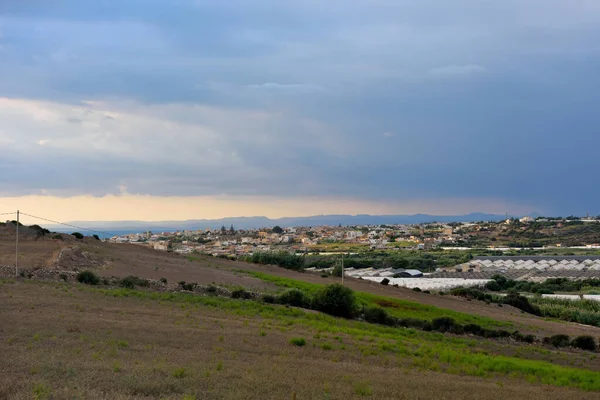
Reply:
x=380 y=99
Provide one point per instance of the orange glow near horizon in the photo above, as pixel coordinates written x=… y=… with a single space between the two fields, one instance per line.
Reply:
x=152 y=208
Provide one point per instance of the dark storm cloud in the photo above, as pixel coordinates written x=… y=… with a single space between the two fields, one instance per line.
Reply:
x=374 y=99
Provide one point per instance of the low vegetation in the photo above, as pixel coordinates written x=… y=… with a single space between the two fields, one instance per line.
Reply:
x=223 y=333
x=88 y=277
x=282 y=259
x=581 y=311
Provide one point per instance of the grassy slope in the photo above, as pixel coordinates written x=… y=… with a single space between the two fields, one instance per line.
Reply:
x=70 y=340
x=396 y=307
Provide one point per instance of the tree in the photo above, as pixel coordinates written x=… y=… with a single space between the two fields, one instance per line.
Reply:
x=231 y=230
x=223 y=229
x=277 y=229
x=336 y=300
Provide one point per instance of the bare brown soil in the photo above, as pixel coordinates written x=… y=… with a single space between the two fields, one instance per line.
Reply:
x=59 y=343
x=127 y=259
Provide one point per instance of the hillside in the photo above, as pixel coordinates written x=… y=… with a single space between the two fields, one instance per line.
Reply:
x=121 y=260
x=66 y=339
x=534 y=234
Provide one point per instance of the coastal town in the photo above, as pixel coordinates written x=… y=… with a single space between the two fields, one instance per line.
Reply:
x=502 y=235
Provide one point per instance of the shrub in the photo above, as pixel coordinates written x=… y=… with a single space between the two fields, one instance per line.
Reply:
x=63 y=276
x=77 y=235
x=377 y=315
x=268 y=298
x=241 y=293
x=187 y=286
x=298 y=342
x=88 y=277
x=494 y=286
x=163 y=280
x=414 y=323
x=127 y=283
x=336 y=300
x=58 y=236
x=132 y=281
x=96 y=237
x=584 y=342
x=211 y=289
x=280 y=258
x=546 y=340
x=294 y=297
x=446 y=324
x=416 y=289
x=385 y=281
x=522 y=303
x=529 y=338
x=560 y=340
x=474 y=329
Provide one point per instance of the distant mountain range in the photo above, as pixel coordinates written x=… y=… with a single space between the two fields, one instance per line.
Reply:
x=264 y=222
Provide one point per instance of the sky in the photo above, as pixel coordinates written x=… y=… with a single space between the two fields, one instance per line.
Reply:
x=180 y=109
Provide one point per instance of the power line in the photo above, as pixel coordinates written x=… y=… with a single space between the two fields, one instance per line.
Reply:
x=9 y=213
x=69 y=225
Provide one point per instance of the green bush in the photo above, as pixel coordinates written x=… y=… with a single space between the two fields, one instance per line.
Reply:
x=493 y=286
x=187 y=286
x=127 y=283
x=446 y=324
x=282 y=259
x=584 y=342
x=298 y=342
x=294 y=297
x=163 y=280
x=474 y=329
x=96 y=237
x=88 y=277
x=414 y=323
x=560 y=340
x=131 y=282
x=211 y=289
x=377 y=315
x=336 y=300
x=268 y=298
x=241 y=293
x=521 y=302
x=77 y=235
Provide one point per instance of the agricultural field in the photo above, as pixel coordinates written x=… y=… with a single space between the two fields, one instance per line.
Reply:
x=64 y=340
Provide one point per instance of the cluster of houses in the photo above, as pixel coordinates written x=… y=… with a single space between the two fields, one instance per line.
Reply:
x=324 y=238
x=301 y=239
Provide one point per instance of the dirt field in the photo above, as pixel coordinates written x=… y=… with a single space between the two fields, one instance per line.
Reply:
x=126 y=259
x=64 y=341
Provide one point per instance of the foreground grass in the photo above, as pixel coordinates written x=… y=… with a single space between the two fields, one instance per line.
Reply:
x=430 y=351
x=67 y=341
x=396 y=307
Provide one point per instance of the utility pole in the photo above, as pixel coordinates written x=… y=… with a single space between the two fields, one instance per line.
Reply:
x=17 y=248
